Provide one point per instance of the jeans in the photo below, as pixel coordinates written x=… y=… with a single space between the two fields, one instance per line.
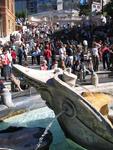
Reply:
x=49 y=63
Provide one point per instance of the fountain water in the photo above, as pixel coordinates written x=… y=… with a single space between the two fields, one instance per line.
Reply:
x=41 y=118
x=99 y=100
x=89 y=92
x=26 y=114
x=82 y=123
x=46 y=130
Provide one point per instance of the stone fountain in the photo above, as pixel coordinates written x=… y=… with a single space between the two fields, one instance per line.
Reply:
x=81 y=122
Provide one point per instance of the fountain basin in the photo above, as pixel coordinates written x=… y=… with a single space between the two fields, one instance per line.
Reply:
x=81 y=122
x=22 y=105
x=22 y=138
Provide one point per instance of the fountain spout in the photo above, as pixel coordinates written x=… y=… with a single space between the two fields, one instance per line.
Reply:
x=81 y=121
x=32 y=74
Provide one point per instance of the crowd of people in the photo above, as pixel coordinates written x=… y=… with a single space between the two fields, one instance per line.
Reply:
x=81 y=48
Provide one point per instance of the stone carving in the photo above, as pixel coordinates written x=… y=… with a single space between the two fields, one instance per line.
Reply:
x=81 y=122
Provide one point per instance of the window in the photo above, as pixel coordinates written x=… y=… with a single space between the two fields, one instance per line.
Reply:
x=8 y=4
x=8 y=24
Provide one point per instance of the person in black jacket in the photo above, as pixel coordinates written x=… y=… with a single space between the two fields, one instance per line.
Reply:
x=20 y=54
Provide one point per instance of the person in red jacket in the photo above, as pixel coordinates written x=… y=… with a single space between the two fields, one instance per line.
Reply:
x=47 y=55
x=105 y=56
x=14 y=55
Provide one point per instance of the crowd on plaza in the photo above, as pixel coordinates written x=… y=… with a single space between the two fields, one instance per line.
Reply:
x=82 y=48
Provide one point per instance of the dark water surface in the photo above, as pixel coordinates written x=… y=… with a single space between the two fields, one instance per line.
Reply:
x=41 y=118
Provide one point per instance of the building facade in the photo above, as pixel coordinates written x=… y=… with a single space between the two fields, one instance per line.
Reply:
x=59 y=5
x=70 y=4
x=49 y=5
x=26 y=6
x=46 y=5
x=37 y=6
x=7 y=17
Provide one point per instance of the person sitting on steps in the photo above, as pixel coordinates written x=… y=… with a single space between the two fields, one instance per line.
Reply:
x=16 y=81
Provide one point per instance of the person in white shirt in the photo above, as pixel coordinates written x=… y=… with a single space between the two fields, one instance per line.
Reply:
x=85 y=46
x=62 y=52
x=62 y=56
x=103 y=20
x=38 y=54
x=95 y=55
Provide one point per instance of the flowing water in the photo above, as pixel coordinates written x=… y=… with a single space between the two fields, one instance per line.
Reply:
x=45 y=117
x=99 y=100
x=46 y=130
x=88 y=90
x=41 y=118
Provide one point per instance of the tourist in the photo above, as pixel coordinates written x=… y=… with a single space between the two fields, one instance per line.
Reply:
x=69 y=58
x=10 y=59
x=62 y=52
x=6 y=65
x=55 y=65
x=85 y=46
x=14 y=56
x=77 y=59
x=38 y=54
x=33 y=55
x=48 y=55
x=44 y=66
x=24 y=52
x=95 y=55
x=15 y=81
x=20 y=54
x=105 y=56
x=62 y=56
x=111 y=57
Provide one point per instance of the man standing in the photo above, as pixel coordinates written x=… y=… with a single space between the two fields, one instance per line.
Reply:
x=47 y=55
x=20 y=54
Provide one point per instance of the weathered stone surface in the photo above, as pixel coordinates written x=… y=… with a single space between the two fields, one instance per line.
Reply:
x=81 y=122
